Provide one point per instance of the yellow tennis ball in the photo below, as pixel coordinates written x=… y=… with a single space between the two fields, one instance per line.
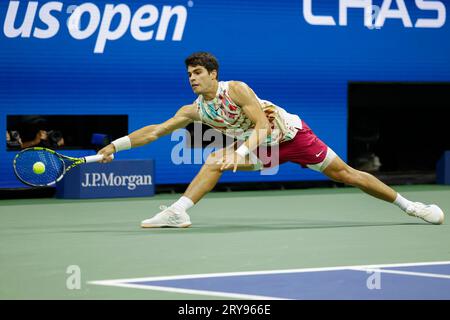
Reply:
x=39 y=168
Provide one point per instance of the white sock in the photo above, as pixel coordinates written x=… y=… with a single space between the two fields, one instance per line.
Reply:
x=183 y=204
x=401 y=202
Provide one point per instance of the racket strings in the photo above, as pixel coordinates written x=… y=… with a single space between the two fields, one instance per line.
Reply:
x=54 y=167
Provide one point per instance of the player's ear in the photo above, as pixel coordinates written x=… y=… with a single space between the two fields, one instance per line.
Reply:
x=214 y=74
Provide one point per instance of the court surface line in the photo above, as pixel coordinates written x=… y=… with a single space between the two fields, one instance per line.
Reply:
x=406 y=273
x=249 y=273
x=189 y=291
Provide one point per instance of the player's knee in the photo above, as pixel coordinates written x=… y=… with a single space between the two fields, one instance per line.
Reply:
x=212 y=163
x=213 y=168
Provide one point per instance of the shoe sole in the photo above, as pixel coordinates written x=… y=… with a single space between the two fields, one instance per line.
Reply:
x=184 y=225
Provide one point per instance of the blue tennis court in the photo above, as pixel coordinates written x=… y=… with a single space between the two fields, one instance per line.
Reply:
x=400 y=281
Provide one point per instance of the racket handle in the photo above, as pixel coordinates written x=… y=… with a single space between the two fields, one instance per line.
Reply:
x=95 y=158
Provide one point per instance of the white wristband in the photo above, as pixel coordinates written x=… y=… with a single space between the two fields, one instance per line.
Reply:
x=243 y=150
x=121 y=144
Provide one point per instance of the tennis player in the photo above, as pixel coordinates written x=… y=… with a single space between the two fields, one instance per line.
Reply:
x=270 y=135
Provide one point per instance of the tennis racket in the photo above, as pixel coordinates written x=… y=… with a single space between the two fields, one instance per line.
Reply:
x=56 y=165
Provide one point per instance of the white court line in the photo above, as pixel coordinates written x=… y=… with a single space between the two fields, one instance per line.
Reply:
x=126 y=282
x=406 y=273
x=189 y=291
x=245 y=273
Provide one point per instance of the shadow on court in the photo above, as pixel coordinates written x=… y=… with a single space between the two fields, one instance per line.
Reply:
x=232 y=228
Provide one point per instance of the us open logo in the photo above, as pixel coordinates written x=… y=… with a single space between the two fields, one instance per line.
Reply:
x=146 y=23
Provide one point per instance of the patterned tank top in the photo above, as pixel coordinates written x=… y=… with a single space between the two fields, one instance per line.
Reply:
x=224 y=115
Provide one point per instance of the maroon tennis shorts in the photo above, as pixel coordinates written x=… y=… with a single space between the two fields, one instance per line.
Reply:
x=305 y=149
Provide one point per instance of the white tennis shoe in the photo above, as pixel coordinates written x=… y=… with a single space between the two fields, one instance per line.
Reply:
x=430 y=213
x=168 y=218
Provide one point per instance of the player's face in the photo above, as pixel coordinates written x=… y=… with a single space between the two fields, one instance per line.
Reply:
x=200 y=79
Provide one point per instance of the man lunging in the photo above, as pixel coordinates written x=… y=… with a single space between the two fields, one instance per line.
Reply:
x=270 y=136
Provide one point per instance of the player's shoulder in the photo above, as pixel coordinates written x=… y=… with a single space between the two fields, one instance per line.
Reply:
x=239 y=91
x=237 y=85
x=189 y=110
x=238 y=88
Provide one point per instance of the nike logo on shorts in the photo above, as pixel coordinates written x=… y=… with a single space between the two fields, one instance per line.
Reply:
x=318 y=154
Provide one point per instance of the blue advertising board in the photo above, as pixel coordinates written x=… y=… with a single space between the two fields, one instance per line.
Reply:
x=117 y=179
x=127 y=57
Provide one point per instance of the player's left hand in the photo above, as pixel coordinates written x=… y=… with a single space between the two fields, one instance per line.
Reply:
x=231 y=162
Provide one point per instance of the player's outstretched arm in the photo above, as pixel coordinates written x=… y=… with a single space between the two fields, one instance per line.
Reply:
x=184 y=116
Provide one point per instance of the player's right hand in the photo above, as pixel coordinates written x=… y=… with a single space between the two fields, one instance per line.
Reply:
x=107 y=152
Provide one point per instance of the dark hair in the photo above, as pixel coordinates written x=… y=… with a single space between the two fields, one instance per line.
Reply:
x=204 y=59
